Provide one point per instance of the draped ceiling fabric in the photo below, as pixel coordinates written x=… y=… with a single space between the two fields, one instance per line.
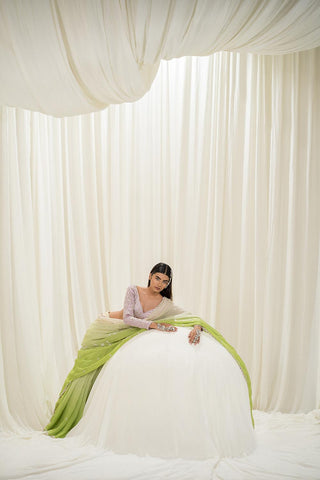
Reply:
x=71 y=57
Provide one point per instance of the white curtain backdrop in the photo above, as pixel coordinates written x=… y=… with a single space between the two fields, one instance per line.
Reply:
x=215 y=171
x=67 y=57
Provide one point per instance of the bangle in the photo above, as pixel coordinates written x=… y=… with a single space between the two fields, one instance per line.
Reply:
x=165 y=328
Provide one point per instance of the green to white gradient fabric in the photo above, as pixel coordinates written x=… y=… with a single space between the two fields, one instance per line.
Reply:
x=101 y=341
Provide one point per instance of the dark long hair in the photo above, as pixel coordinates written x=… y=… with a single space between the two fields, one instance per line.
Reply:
x=166 y=270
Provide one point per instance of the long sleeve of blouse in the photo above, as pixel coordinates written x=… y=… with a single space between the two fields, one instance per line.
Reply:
x=130 y=307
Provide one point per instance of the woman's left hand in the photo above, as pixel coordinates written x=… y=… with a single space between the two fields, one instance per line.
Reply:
x=194 y=335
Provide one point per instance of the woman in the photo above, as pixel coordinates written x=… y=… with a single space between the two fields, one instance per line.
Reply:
x=144 y=383
x=159 y=287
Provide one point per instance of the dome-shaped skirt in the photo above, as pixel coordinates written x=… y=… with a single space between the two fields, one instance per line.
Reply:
x=160 y=396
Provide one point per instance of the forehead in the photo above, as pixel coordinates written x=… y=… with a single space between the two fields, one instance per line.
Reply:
x=162 y=276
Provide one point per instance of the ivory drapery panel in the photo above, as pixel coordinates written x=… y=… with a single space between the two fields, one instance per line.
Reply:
x=215 y=171
x=78 y=56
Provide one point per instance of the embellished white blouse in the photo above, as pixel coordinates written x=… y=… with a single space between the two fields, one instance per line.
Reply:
x=133 y=313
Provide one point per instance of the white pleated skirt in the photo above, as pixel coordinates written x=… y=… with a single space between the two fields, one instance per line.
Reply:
x=160 y=396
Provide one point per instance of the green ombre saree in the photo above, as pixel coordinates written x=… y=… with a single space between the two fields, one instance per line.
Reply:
x=102 y=340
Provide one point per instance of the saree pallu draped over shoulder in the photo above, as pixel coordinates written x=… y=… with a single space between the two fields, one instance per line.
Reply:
x=101 y=341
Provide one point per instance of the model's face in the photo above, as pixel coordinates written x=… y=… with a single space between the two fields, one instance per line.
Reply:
x=158 y=281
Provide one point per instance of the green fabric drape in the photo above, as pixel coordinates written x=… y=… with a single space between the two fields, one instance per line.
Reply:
x=101 y=341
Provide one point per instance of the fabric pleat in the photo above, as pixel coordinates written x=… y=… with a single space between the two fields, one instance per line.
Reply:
x=69 y=58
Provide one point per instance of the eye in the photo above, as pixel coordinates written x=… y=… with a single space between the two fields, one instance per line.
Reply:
x=164 y=282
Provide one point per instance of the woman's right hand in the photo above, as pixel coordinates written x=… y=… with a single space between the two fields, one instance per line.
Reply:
x=164 y=327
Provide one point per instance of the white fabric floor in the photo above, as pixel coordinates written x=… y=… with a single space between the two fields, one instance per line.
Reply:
x=288 y=447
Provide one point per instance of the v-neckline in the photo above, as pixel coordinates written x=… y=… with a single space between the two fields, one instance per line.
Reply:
x=141 y=303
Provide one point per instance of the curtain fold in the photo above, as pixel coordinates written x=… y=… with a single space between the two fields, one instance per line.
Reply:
x=216 y=172
x=74 y=57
